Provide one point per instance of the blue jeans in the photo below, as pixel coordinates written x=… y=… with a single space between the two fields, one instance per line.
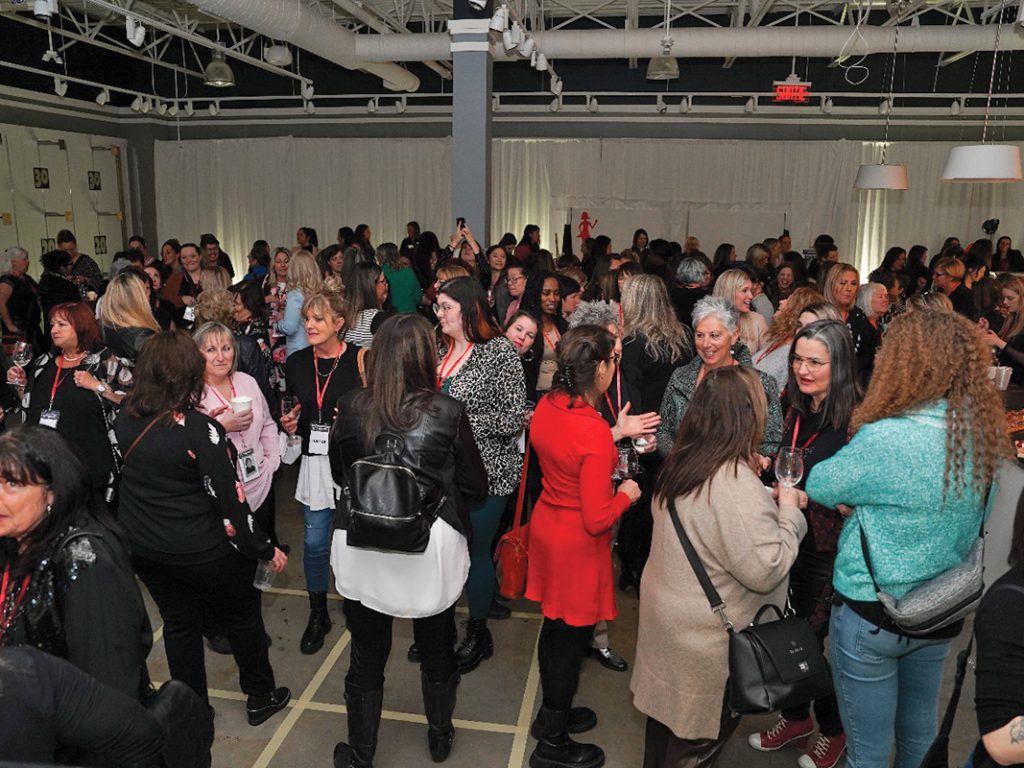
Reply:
x=316 y=552
x=888 y=690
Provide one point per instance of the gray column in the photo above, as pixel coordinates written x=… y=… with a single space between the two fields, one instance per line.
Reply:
x=471 y=126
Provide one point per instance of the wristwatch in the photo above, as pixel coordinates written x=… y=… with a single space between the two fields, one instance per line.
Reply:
x=101 y=388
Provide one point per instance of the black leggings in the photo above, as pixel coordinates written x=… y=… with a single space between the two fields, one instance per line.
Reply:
x=560 y=653
x=371 y=645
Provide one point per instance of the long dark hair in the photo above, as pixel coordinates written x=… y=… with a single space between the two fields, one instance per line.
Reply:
x=41 y=456
x=843 y=391
x=251 y=296
x=361 y=288
x=722 y=425
x=477 y=324
x=531 y=293
x=527 y=233
x=401 y=363
x=168 y=376
x=310 y=234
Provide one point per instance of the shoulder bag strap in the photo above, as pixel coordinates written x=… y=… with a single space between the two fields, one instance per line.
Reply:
x=361 y=363
x=142 y=434
x=715 y=600
x=867 y=557
x=518 y=520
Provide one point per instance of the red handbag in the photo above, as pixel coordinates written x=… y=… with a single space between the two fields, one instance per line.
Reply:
x=511 y=555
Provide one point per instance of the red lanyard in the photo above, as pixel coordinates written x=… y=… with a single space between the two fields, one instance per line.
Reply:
x=441 y=374
x=796 y=431
x=57 y=381
x=618 y=393
x=3 y=598
x=558 y=338
x=232 y=383
x=316 y=382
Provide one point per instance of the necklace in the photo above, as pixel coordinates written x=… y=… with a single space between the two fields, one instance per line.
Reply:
x=74 y=359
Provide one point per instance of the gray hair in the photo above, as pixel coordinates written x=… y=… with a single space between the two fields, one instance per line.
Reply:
x=866 y=294
x=691 y=270
x=599 y=313
x=12 y=253
x=718 y=307
x=206 y=330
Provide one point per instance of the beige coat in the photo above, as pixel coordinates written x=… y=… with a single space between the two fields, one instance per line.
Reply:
x=747 y=545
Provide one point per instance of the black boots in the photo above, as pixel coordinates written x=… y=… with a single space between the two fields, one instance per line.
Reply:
x=439 y=703
x=581 y=719
x=319 y=624
x=556 y=750
x=363 y=722
x=477 y=646
x=260 y=708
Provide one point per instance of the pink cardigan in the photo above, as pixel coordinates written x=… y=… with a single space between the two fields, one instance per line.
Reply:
x=261 y=435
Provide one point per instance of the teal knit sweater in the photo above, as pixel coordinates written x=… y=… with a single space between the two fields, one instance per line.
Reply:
x=891 y=474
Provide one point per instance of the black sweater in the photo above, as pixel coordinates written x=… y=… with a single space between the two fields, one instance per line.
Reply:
x=299 y=378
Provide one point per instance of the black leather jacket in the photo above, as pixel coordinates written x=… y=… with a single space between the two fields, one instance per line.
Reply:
x=440 y=450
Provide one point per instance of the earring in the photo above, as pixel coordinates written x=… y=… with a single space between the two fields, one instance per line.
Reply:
x=49 y=508
x=732 y=350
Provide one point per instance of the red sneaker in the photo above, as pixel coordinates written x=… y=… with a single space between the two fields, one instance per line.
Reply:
x=825 y=753
x=782 y=733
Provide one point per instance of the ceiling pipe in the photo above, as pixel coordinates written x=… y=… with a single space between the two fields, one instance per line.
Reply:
x=304 y=27
x=713 y=42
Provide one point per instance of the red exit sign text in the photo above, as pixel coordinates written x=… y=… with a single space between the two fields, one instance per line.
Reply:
x=797 y=93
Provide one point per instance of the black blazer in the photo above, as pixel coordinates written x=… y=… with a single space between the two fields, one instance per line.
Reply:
x=440 y=450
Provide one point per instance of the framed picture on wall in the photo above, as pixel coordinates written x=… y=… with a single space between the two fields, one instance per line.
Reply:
x=99 y=245
x=41 y=178
x=95 y=182
x=48 y=244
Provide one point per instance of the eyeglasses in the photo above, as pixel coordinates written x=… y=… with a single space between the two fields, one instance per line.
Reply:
x=440 y=309
x=813 y=364
x=514 y=279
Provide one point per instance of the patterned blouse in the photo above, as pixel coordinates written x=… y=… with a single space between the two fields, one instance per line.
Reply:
x=490 y=384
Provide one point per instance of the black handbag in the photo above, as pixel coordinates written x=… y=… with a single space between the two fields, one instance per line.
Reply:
x=187 y=724
x=772 y=666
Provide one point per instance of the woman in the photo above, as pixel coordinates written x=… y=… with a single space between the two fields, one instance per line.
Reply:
x=528 y=245
x=170 y=257
x=491 y=277
x=654 y=345
x=515 y=285
x=570 y=572
x=571 y=293
x=307 y=241
x=840 y=288
x=193 y=539
x=19 y=298
x=401 y=399
x=126 y=319
x=820 y=398
x=403 y=287
x=362 y=241
x=717 y=338
x=303 y=281
x=736 y=286
x=522 y=331
x=317 y=375
x=774 y=358
x=259 y=262
x=941 y=422
x=163 y=310
x=781 y=286
x=252 y=430
x=873 y=300
x=542 y=298
x=1008 y=343
x=916 y=271
x=410 y=242
x=333 y=269
x=75 y=389
x=181 y=287
x=63 y=559
x=276 y=284
x=1006 y=258
x=54 y=287
x=479 y=368
x=366 y=294
x=640 y=240
x=725 y=255
x=893 y=263
x=745 y=542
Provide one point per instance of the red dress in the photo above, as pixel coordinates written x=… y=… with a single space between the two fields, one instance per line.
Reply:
x=570 y=571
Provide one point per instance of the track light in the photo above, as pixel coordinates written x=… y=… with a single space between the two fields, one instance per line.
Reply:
x=500 y=19
x=884 y=107
x=44 y=9
x=541 y=64
x=686 y=104
x=751 y=105
x=592 y=104
x=147 y=106
x=52 y=55
x=161 y=107
x=372 y=105
x=134 y=31
x=137 y=104
x=60 y=87
x=401 y=105
x=512 y=36
x=556 y=85
x=278 y=55
x=103 y=97
x=555 y=105
x=214 y=108
x=190 y=108
x=826 y=105
x=173 y=109
x=660 y=105
x=956 y=107
x=307 y=90
x=309 y=107
x=527 y=46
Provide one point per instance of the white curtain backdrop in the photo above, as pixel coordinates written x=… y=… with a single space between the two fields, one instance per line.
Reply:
x=267 y=188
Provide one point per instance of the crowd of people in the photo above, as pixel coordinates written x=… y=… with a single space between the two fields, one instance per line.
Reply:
x=148 y=413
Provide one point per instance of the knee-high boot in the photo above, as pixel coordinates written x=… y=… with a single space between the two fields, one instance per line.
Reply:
x=439 y=703
x=364 y=709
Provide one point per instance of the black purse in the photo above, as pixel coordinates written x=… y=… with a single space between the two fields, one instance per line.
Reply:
x=773 y=665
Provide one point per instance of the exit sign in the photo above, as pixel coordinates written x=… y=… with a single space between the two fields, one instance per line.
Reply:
x=792 y=91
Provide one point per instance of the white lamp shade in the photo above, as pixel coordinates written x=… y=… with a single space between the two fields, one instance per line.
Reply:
x=992 y=163
x=882 y=177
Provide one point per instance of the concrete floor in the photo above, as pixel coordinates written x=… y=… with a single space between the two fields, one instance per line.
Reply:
x=496 y=704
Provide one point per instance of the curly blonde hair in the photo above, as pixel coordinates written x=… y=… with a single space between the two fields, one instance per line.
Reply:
x=215 y=306
x=949 y=361
x=787 y=320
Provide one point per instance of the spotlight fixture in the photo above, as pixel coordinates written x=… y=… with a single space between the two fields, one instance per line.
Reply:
x=44 y=9
x=278 y=55
x=309 y=107
x=884 y=107
x=60 y=87
x=686 y=104
x=401 y=105
x=103 y=97
x=826 y=105
x=218 y=73
x=147 y=106
x=307 y=90
x=373 y=105
x=134 y=31
x=137 y=104
x=555 y=105
x=500 y=19
x=592 y=104
x=751 y=105
x=556 y=85
x=956 y=107
x=542 y=62
x=52 y=55
x=660 y=105
x=214 y=108
x=495 y=103
x=173 y=109
x=161 y=107
x=527 y=46
x=190 y=108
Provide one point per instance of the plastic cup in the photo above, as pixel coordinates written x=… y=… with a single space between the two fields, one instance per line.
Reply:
x=241 y=404
x=264 y=578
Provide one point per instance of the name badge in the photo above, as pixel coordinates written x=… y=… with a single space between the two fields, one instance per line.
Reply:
x=248 y=469
x=190 y=314
x=318 y=438
x=49 y=419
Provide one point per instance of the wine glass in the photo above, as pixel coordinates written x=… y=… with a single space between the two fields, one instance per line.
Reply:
x=288 y=404
x=789 y=467
x=22 y=355
x=627 y=465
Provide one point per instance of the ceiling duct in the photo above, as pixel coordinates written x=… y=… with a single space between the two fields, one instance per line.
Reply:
x=304 y=27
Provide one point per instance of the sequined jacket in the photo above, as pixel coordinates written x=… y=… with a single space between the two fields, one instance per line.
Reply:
x=81 y=603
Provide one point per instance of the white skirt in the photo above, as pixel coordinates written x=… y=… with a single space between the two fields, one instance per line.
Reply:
x=407 y=585
x=316 y=488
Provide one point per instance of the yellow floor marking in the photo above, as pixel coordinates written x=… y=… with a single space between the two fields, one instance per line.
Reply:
x=522 y=731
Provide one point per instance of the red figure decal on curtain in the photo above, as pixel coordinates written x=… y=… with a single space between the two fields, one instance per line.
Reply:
x=585 y=225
